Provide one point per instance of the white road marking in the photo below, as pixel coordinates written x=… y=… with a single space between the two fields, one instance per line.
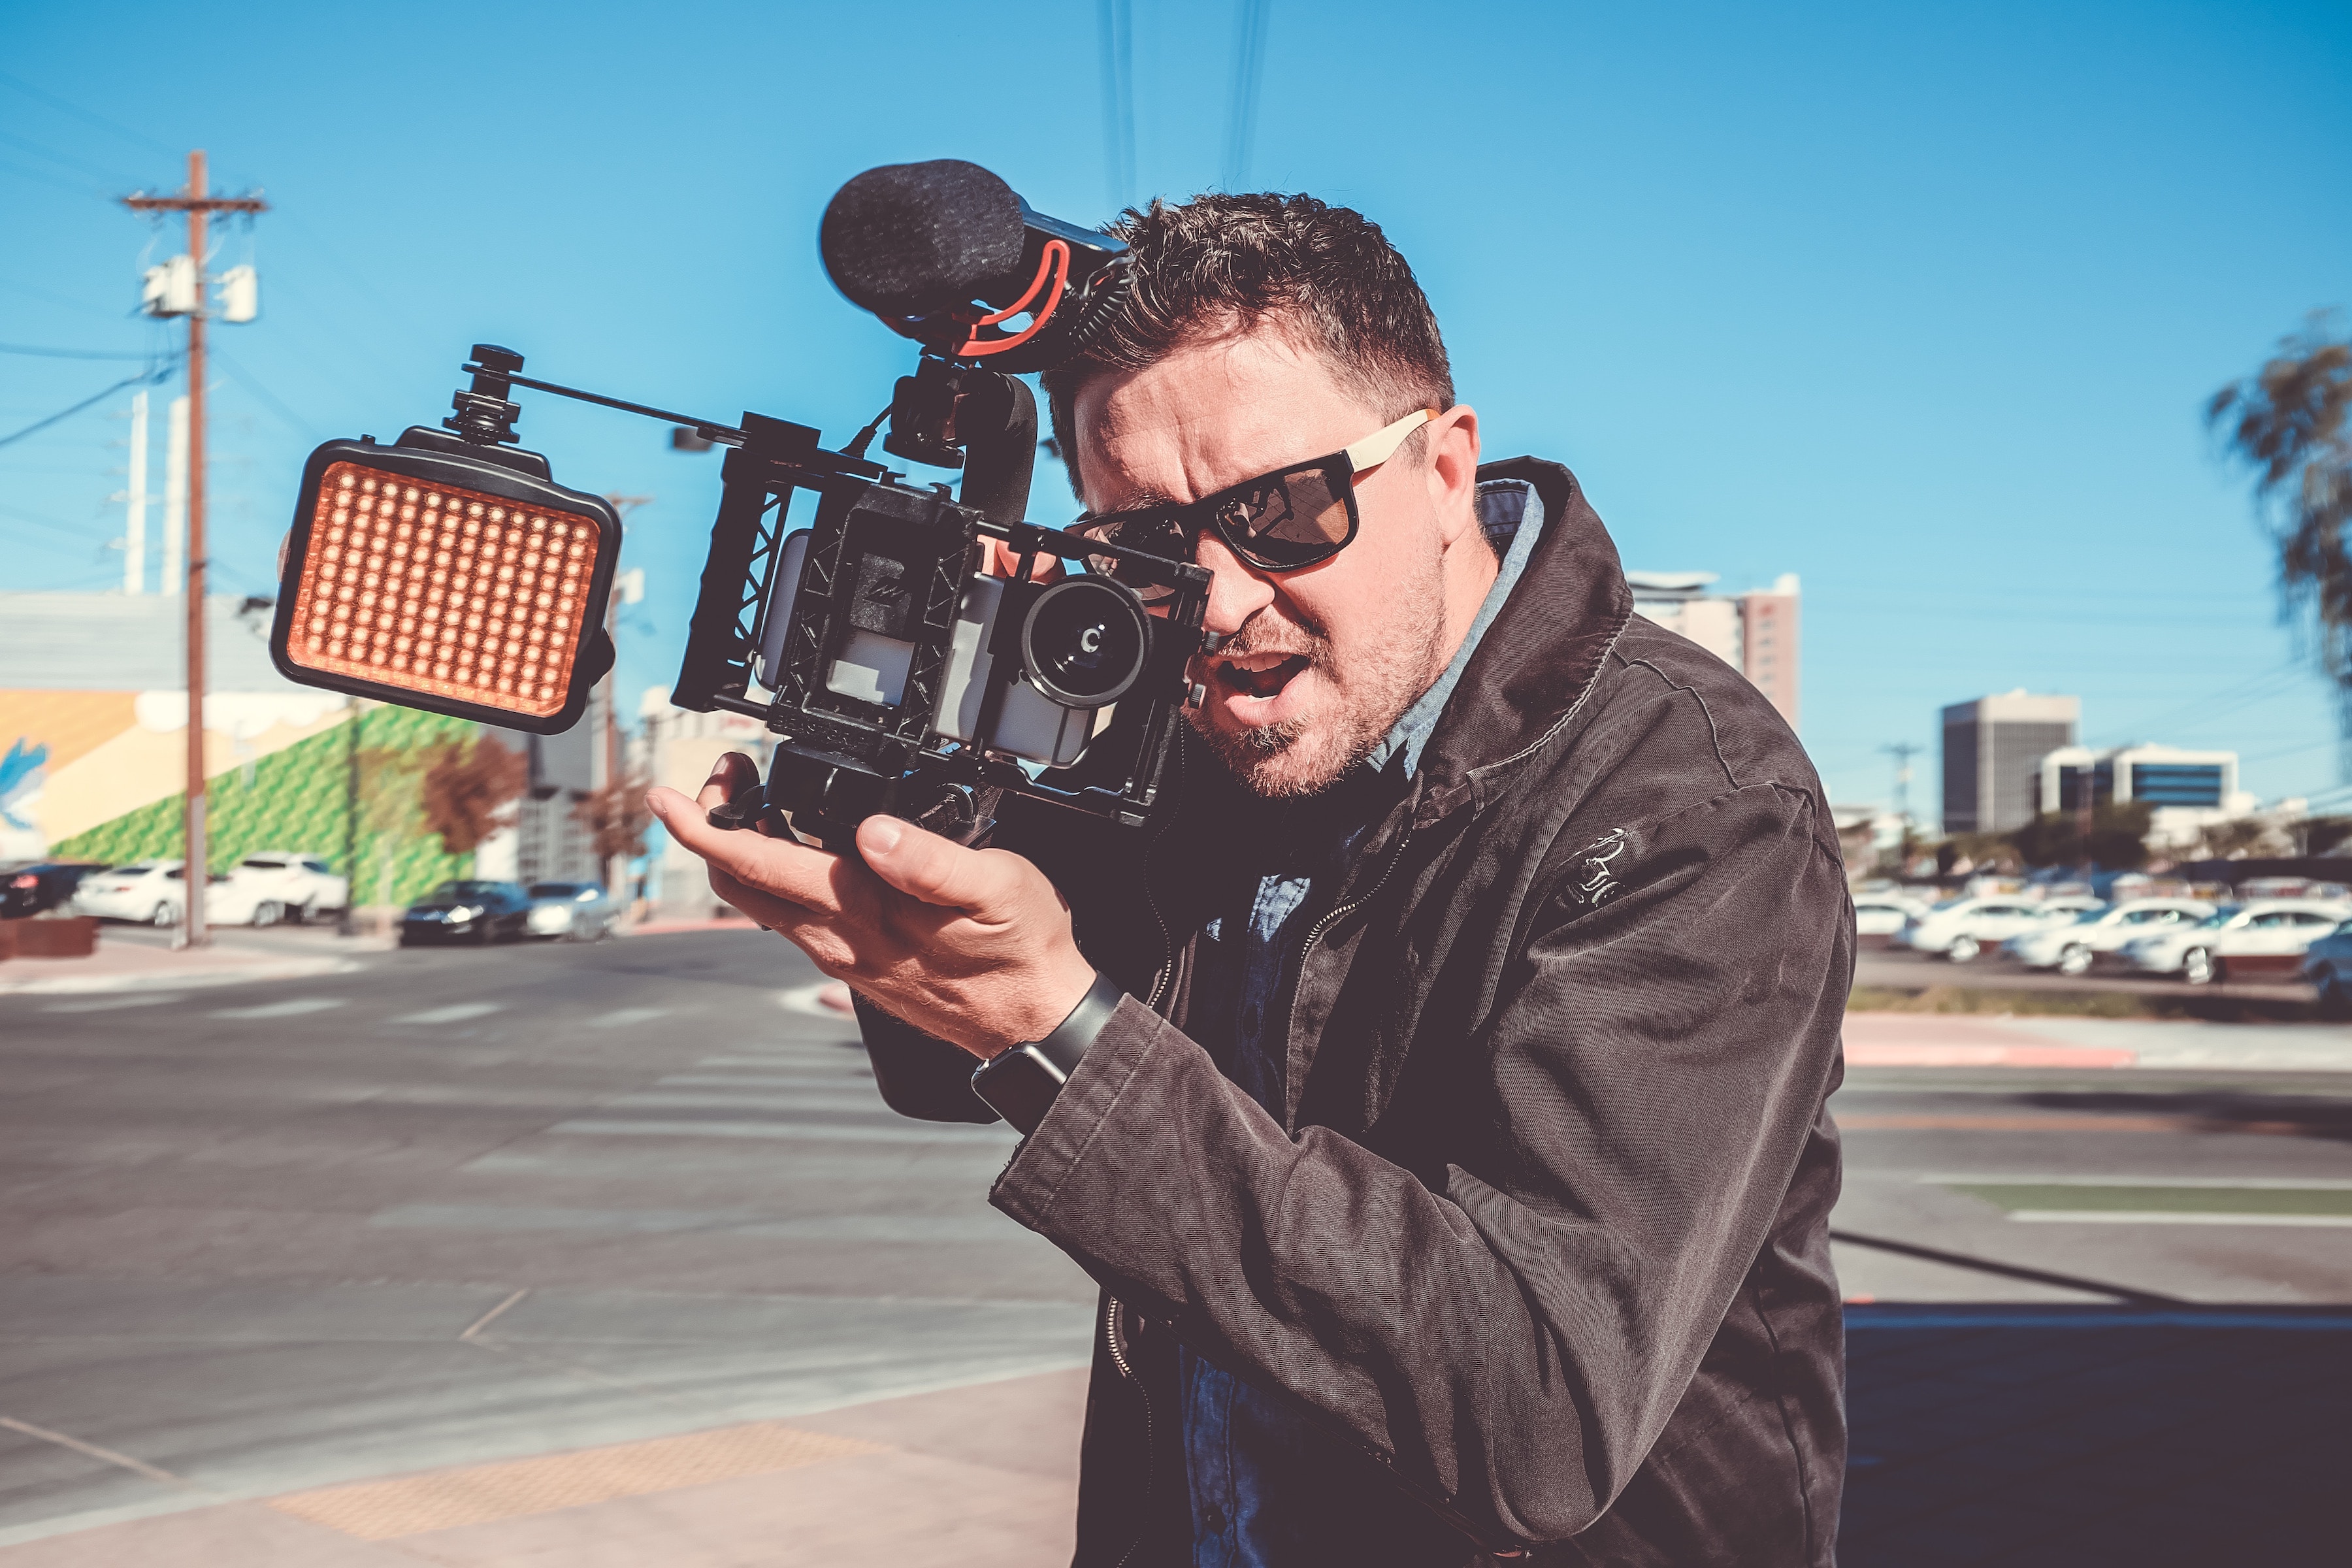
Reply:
x=622 y=1018
x=836 y=1078
x=803 y=999
x=2250 y=1183
x=293 y=1009
x=930 y=1133
x=148 y=999
x=455 y=1013
x=2162 y=1216
x=830 y=1097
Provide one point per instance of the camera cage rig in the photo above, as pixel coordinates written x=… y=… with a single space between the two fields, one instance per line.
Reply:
x=839 y=758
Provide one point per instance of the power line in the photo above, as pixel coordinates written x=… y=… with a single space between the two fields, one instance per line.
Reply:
x=294 y=421
x=148 y=375
x=71 y=354
x=1249 y=67
x=1117 y=28
x=66 y=159
x=54 y=101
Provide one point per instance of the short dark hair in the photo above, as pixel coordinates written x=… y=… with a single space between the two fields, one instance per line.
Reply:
x=1327 y=275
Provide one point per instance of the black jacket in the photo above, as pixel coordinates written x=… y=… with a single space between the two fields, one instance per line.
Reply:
x=1544 y=1232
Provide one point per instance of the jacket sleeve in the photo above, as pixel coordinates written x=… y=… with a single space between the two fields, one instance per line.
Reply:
x=1511 y=1336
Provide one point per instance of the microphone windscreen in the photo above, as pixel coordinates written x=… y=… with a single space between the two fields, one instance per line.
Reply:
x=906 y=239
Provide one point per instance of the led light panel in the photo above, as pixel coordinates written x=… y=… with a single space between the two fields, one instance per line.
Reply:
x=443 y=591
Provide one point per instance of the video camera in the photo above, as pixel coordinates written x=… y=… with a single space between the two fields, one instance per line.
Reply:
x=449 y=571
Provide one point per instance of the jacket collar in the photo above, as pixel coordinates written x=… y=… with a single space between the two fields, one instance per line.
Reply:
x=1543 y=652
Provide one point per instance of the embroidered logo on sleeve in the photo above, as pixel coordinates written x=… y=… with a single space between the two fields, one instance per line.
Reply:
x=1597 y=884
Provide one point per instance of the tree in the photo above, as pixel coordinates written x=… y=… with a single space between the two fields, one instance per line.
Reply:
x=2119 y=840
x=616 y=817
x=389 y=808
x=2291 y=422
x=467 y=788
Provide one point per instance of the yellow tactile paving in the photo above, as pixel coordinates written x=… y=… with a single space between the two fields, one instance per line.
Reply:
x=480 y=1494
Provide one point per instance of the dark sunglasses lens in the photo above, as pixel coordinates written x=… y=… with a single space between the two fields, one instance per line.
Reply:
x=1156 y=534
x=1288 y=519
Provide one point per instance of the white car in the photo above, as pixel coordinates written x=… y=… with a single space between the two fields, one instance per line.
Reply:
x=1966 y=927
x=148 y=892
x=2074 y=948
x=289 y=884
x=154 y=892
x=2239 y=941
x=1880 y=917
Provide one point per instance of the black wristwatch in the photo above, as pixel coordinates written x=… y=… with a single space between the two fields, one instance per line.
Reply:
x=1020 y=1084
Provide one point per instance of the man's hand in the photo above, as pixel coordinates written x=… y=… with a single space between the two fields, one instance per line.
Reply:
x=972 y=945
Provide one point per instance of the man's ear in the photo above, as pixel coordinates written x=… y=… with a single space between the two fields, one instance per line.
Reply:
x=1453 y=471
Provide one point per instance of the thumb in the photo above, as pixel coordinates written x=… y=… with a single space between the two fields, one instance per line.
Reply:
x=927 y=867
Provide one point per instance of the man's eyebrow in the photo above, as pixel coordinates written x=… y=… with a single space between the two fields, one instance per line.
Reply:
x=1148 y=496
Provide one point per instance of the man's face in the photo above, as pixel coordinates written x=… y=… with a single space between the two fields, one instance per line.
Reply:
x=1321 y=662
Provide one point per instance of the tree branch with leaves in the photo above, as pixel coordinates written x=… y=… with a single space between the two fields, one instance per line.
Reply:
x=2291 y=422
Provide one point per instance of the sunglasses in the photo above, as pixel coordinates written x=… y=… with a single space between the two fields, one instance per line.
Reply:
x=1278 y=521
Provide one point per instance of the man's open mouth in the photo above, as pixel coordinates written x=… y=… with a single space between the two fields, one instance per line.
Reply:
x=1259 y=674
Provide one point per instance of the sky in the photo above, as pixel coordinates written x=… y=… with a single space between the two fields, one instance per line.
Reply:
x=1921 y=304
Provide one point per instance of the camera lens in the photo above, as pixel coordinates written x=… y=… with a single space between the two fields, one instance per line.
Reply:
x=1084 y=641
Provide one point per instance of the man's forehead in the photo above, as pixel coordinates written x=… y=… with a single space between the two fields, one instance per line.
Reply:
x=1210 y=415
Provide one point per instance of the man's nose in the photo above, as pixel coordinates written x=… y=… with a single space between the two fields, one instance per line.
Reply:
x=1236 y=592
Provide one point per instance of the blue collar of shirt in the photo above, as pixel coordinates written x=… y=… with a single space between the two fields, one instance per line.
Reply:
x=1512 y=515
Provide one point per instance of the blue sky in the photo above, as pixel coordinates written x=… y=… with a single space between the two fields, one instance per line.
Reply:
x=1919 y=303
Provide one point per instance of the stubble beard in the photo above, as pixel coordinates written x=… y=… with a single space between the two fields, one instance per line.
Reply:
x=1302 y=757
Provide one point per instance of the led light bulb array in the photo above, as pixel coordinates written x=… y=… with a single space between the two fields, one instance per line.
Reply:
x=438 y=589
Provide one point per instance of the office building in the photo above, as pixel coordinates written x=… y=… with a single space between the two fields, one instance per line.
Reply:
x=1754 y=632
x=1994 y=749
x=2188 y=791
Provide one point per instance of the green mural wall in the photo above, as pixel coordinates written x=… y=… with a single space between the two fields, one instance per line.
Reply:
x=295 y=799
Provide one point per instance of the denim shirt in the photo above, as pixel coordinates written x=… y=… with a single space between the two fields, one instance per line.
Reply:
x=1253 y=1458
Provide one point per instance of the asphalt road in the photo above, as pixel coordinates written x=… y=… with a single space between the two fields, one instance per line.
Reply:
x=455 y=1205
x=1900 y=968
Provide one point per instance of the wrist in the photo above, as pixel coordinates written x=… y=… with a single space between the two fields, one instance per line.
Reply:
x=1021 y=1082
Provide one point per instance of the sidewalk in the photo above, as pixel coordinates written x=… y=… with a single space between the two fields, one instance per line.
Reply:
x=983 y=1477
x=1953 y=1040
x=132 y=965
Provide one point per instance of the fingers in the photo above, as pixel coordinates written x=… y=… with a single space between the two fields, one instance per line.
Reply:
x=729 y=776
x=935 y=869
x=783 y=867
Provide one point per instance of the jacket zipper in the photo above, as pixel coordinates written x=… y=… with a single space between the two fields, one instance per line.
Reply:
x=1315 y=934
x=1150 y=1444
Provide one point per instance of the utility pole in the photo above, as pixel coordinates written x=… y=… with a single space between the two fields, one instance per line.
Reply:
x=134 y=521
x=197 y=205
x=1903 y=752
x=628 y=587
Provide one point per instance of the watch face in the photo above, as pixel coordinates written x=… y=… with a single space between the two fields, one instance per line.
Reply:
x=1019 y=1085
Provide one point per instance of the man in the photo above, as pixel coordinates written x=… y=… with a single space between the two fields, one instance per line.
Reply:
x=1447 y=1063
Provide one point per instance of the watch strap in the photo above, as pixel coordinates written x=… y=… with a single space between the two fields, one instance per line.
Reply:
x=1020 y=1082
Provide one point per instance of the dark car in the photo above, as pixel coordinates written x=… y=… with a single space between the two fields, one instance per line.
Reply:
x=480 y=912
x=44 y=885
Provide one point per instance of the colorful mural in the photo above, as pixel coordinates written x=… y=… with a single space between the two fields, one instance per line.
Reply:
x=90 y=775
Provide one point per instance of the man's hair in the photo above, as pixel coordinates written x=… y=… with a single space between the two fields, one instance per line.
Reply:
x=1326 y=276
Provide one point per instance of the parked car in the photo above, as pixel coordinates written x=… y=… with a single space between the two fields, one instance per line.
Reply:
x=39 y=885
x=1879 y=917
x=582 y=911
x=148 y=892
x=2328 y=967
x=484 y=912
x=290 y=884
x=154 y=892
x=2239 y=941
x=2074 y=948
x=1966 y=927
